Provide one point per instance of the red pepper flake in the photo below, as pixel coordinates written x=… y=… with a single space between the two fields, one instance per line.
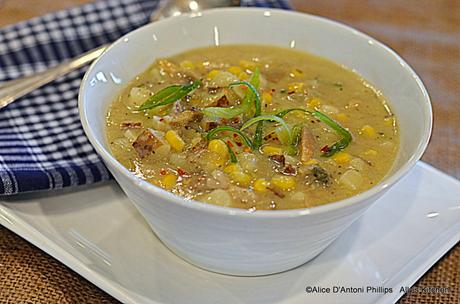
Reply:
x=181 y=172
x=162 y=119
x=325 y=149
x=163 y=171
x=244 y=87
x=230 y=143
x=235 y=135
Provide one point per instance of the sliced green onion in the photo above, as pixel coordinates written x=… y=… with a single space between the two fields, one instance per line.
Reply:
x=283 y=113
x=252 y=96
x=233 y=158
x=212 y=134
x=271 y=118
x=169 y=95
x=296 y=131
x=228 y=113
x=337 y=146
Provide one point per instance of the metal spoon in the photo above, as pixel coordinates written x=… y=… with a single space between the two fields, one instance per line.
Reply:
x=14 y=89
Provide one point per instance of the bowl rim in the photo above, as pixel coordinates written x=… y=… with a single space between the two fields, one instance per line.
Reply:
x=222 y=210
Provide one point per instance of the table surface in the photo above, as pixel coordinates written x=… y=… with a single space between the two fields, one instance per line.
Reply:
x=424 y=32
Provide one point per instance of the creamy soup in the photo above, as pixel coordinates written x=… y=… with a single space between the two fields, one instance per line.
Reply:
x=253 y=127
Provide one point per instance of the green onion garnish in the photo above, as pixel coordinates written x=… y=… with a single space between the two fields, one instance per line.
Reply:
x=169 y=95
x=212 y=134
x=233 y=158
x=337 y=146
x=228 y=113
x=251 y=97
x=271 y=118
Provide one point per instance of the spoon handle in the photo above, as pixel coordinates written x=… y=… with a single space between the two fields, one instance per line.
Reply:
x=14 y=89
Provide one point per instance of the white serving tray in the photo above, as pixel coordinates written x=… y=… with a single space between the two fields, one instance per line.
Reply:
x=98 y=233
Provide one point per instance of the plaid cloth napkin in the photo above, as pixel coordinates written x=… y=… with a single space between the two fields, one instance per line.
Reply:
x=42 y=144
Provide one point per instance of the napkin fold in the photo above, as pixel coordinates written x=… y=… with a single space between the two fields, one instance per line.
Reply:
x=42 y=143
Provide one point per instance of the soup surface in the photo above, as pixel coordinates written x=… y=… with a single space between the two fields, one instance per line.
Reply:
x=254 y=127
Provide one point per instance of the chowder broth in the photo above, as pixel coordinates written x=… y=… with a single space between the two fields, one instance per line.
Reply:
x=201 y=147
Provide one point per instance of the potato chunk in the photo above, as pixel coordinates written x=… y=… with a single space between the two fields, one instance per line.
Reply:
x=147 y=142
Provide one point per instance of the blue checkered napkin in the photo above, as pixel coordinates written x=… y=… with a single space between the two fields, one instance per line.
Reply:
x=42 y=144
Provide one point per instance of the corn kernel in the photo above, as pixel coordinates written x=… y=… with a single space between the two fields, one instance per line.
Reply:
x=295 y=87
x=261 y=185
x=314 y=103
x=342 y=117
x=311 y=162
x=241 y=178
x=174 y=140
x=169 y=181
x=249 y=65
x=388 y=121
x=271 y=150
x=267 y=98
x=212 y=74
x=235 y=70
x=371 y=152
x=243 y=76
x=219 y=147
x=187 y=64
x=368 y=131
x=342 y=158
x=296 y=73
x=232 y=168
x=284 y=182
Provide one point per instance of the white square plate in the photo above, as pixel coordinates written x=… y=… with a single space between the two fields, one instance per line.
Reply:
x=98 y=233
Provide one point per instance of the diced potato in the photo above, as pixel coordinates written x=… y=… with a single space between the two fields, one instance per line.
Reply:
x=169 y=181
x=176 y=142
x=351 y=179
x=328 y=109
x=178 y=160
x=282 y=182
x=342 y=158
x=219 y=147
x=271 y=150
x=261 y=185
x=159 y=124
x=358 y=164
x=371 y=152
x=162 y=151
x=219 y=197
x=137 y=96
x=368 y=131
x=297 y=196
x=248 y=161
x=131 y=135
x=223 y=79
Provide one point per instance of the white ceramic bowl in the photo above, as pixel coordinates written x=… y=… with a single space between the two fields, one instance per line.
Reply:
x=233 y=241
